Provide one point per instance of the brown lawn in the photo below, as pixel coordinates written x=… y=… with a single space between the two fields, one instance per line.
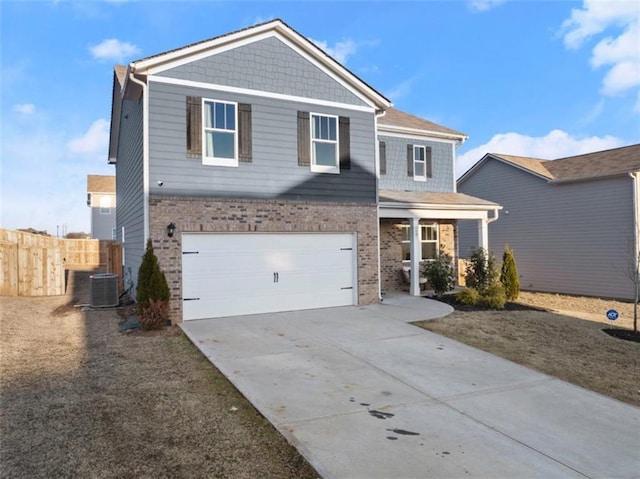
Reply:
x=556 y=341
x=81 y=399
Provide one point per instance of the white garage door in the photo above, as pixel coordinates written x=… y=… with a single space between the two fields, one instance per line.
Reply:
x=251 y=273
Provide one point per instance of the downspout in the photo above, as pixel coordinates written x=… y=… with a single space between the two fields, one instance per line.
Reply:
x=378 y=114
x=635 y=176
x=145 y=151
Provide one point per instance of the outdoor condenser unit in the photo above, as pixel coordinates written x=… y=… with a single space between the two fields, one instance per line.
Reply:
x=104 y=290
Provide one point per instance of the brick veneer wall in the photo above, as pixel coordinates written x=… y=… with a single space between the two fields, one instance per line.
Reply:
x=391 y=251
x=194 y=214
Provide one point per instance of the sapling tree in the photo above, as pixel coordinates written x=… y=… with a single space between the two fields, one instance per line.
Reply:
x=509 y=274
x=440 y=274
x=152 y=291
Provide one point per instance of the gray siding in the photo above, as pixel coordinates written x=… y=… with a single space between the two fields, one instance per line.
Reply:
x=568 y=238
x=102 y=224
x=274 y=172
x=396 y=177
x=130 y=190
x=266 y=65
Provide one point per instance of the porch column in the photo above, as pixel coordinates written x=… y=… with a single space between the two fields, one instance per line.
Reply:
x=416 y=255
x=483 y=234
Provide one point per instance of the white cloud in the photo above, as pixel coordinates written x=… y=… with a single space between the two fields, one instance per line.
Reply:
x=341 y=51
x=25 y=108
x=621 y=53
x=484 y=5
x=402 y=89
x=94 y=141
x=555 y=144
x=114 y=49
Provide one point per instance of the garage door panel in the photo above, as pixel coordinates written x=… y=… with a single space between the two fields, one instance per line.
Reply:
x=236 y=274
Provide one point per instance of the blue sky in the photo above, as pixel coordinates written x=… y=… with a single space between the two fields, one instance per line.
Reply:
x=545 y=79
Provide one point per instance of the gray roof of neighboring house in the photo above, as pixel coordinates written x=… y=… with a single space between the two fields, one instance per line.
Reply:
x=395 y=117
x=432 y=198
x=101 y=184
x=598 y=164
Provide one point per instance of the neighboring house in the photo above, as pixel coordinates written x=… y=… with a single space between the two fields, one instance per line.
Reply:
x=270 y=178
x=101 y=198
x=573 y=223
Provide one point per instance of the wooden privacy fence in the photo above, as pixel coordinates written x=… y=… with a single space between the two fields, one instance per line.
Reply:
x=35 y=265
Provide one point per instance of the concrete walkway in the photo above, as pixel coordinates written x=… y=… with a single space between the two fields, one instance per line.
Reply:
x=363 y=394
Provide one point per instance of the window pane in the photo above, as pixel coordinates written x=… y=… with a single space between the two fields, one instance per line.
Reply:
x=428 y=250
x=231 y=117
x=223 y=145
x=418 y=169
x=325 y=154
x=405 y=234
x=219 y=145
x=332 y=129
x=316 y=127
x=208 y=115
x=219 y=116
x=429 y=233
x=406 y=251
x=418 y=153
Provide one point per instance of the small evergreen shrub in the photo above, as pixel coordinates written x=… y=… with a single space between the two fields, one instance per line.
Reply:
x=440 y=274
x=468 y=296
x=494 y=296
x=482 y=270
x=152 y=292
x=509 y=274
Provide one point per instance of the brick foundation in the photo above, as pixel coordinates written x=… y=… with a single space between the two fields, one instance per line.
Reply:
x=218 y=215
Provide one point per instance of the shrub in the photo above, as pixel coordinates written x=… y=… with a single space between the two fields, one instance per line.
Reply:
x=482 y=270
x=494 y=296
x=152 y=289
x=468 y=296
x=509 y=274
x=440 y=274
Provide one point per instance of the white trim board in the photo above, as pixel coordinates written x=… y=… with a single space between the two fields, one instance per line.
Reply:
x=424 y=137
x=259 y=93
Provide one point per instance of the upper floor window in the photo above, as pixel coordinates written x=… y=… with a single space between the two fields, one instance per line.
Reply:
x=105 y=205
x=324 y=144
x=419 y=164
x=219 y=133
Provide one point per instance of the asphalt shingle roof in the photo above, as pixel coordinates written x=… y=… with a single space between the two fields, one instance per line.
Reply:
x=432 y=198
x=395 y=117
x=101 y=184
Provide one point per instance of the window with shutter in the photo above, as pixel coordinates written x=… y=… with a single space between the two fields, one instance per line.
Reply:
x=419 y=162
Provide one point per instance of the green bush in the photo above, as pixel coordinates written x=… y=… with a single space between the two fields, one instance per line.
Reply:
x=493 y=296
x=468 y=296
x=440 y=274
x=152 y=292
x=481 y=271
x=509 y=274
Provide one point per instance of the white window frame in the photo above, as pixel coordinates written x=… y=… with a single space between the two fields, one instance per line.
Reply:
x=324 y=168
x=422 y=239
x=212 y=160
x=423 y=162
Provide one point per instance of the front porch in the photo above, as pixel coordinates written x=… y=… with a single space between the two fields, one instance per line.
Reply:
x=417 y=226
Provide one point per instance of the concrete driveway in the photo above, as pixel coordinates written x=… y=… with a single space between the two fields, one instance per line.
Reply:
x=363 y=394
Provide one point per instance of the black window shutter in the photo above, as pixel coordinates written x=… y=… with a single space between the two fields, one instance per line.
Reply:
x=409 y=160
x=245 y=143
x=194 y=126
x=344 y=134
x=429 y=165
x=383 y=157
x=304 y=139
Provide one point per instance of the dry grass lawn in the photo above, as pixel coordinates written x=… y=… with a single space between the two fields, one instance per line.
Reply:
x=565 y=340
x=81 y=399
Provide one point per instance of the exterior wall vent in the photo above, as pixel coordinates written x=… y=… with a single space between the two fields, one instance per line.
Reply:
x=104 y=290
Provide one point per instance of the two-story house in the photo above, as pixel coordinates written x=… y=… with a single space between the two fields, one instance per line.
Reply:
x=101 y=198
x=271 y=178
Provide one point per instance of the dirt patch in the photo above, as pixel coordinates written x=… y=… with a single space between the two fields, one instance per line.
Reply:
x=79 y=398
x=561 y=345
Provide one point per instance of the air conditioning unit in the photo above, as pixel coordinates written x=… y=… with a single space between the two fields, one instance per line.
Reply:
x=104 y=290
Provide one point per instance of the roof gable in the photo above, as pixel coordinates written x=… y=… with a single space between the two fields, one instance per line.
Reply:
x=171 y=59
x=101 y=184
x=395 y=120
x=599 y=164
